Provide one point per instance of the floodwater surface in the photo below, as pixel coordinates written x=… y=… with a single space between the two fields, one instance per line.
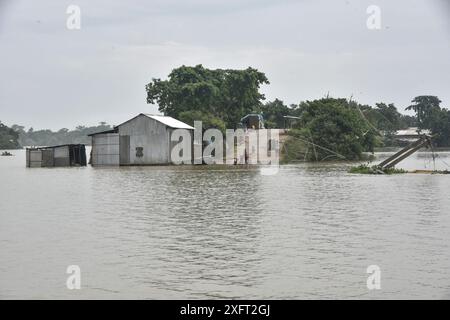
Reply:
x=183 y=232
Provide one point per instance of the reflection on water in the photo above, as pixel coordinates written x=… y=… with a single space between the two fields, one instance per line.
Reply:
x=208 y=232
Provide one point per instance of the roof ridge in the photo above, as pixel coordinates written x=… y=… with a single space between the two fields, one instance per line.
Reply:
x=177 y=125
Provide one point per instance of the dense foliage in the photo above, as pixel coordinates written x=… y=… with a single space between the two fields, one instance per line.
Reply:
x=47 y=137
x=335 y=128
x=9 y=139
x=425 y=107
x=208 y=120
x=219 y=98
x=326 y=128
x=431 y=116
x=440 y=127
x=274 y=112
x=225 y=95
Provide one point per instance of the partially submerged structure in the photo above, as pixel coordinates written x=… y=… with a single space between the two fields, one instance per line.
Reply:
x=410 y=134
x=57 y=156
x=253 y=121
x=388 y=165
x=143 y=140
x=423 y=141
x=289 y=121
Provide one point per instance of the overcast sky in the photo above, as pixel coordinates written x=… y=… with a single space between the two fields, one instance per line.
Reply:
x=53 y=77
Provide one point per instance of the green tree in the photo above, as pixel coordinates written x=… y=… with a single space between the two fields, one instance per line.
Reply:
x=386 y=119
x=431 y=116
x=407 y=121
x=8 y=138
x=274 y=112
x=390 y=117
x=440 y=127
x=208 y=120
x=225 y=94
x=48 y=137
x=424 y=106
x=335 y=126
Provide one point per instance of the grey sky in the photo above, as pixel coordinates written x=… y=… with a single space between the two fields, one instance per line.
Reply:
x=52 y=77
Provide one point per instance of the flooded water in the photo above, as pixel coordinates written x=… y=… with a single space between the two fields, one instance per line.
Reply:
x=177 y=232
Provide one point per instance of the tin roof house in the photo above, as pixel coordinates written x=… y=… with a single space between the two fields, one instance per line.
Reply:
x=142 y=140
x=411 y=134
x=68 y=155
x=253 y=121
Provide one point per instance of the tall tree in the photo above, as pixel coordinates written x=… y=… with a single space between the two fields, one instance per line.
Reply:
x=336 y=126
x=224 y=93
x=440 y=127
x=424 y=106
x=274 y=112
x=390 y=117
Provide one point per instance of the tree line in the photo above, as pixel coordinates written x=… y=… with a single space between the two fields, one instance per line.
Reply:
x=20 y=137
x=221 y=97
x=8 y=138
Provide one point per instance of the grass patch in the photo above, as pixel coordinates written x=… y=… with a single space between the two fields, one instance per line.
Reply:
x=366 y=169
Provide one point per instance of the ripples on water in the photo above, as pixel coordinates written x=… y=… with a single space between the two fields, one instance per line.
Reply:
x=209 y=232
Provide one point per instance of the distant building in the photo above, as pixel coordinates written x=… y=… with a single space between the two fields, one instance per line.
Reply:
x=290 y=121
x=57 y=156
x=253 y=121
x=411 y=133
x=142 y=140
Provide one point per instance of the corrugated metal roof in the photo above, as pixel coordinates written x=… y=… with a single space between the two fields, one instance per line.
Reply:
x=259 y=116
x=114 y=130
x=169 y=121
x=412 y=131
x=166 y=120
x=58 y=146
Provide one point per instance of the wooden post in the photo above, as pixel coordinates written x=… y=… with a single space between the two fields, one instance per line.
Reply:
x=404 y=153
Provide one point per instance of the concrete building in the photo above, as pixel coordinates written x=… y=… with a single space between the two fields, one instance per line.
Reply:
x=142 y=140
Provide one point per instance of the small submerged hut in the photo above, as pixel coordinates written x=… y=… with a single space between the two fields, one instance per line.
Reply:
x=68 y=155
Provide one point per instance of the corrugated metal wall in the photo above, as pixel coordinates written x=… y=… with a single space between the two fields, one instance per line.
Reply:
x=47 y=158
x=57 y=156
x=124 y=150
x=149 y=141
x=51 y=157
x=105 y=149
x=34 y=158
x=61 y=156
x=140 y=141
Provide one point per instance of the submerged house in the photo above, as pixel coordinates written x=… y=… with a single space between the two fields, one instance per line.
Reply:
x=68 y=155
x=253 y=121
x=142 y=140
x=411 y=134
